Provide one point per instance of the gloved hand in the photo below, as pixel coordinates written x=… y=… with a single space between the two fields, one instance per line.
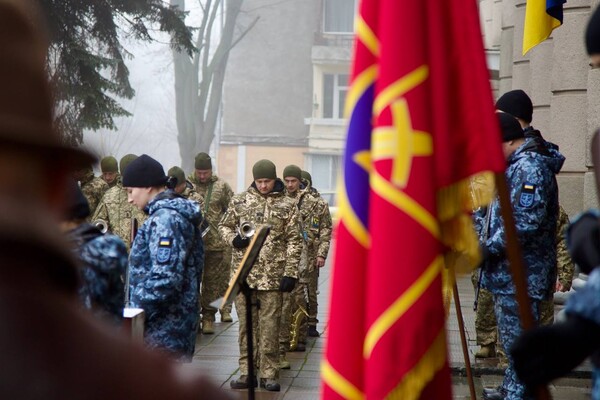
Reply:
x=240 y=242
x=287 y=284
x=583 y=241
x=546 y=353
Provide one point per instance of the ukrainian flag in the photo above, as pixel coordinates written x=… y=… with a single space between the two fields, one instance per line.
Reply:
x=541 y=18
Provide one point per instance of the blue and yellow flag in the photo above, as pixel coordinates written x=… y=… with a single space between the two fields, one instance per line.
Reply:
x=541 y=18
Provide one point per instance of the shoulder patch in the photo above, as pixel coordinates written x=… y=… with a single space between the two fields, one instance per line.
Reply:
x=527 y=196
x=164 y=249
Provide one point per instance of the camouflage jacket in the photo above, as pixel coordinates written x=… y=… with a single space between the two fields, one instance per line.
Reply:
x=531 y=176
x=165 y=264
x=280 y=254
x=117 y=213
x=190 y=193
x=103 y=261
x=564 y=264
x=315 y=221
x=93 y=189
x=220 y=196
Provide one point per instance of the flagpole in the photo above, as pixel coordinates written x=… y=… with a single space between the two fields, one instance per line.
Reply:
x=463 y=340
x=517 y=268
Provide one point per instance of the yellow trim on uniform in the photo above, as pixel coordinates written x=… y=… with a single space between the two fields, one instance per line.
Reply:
x=338 y=383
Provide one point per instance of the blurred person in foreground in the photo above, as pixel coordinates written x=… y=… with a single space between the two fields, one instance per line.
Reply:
x=544 y=354
x=51 y=348
x=102 y=258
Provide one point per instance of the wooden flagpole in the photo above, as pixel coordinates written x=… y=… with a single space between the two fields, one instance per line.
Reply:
x=463 y=340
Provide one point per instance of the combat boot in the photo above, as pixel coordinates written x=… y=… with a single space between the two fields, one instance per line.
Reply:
x=208 y=327
x=241 y=382
x=486 y=351
x=494 y=394
x=270 y=384
x=313 y=332
x=284 y=363
x=300 y=347
x=226 y=316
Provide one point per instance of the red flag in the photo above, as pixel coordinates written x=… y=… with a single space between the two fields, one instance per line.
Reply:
x=421 y=124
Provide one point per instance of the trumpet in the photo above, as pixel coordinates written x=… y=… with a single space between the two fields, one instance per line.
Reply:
x=101 y=224
x=246 y=229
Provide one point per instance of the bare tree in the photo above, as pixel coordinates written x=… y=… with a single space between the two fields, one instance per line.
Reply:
x=199 y=78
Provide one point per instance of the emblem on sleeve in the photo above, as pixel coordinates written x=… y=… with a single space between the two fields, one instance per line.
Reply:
x=164 y=250
x=527 y=196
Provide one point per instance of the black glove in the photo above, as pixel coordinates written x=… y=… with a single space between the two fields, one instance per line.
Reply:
x=240 y=242
x=287 y=284
x=546 y=353
x=583 y=242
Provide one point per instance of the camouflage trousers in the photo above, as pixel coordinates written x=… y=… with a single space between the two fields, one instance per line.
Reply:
x=215 y=280
x=312 y=287
x=266 y=317
x=289 y=313
x=509 y=328
x=485 y=319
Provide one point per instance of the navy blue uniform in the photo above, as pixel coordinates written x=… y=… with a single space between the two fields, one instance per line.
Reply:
x=166 y=264
x=530 y=174
x=103 y=264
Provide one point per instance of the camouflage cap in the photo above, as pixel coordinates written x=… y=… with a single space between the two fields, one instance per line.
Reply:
x=202 y=161
x=177 y=173
x=306 y=175
x=264 y=169
x=109 y=164
x=25 y=100
x=293 y=171
x=125 y=160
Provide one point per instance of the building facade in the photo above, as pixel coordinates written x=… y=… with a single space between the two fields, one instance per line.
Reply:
x=564 y=89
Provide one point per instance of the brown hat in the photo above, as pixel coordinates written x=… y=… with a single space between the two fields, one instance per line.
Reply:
x=25 y=99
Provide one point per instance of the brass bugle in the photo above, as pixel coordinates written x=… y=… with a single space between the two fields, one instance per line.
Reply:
x=101 y=224
x=246 y=229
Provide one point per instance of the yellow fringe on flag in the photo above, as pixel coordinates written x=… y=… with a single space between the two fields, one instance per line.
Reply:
x=423 y=372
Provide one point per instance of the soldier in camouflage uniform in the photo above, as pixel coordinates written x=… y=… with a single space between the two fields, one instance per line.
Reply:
x=275 y=271
x=217 y=262
x=166 y=259
x=115 y=210
x=318 y=229
x=292 y=176
x=93 y=187
x=110 y=170
x=184 y=187
x=530 y=173
x=103 y=260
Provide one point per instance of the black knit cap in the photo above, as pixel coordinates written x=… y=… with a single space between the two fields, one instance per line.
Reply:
x=76 y=205
x=592 y=33
x=144 y=171
x=516 y=103
x=511 y=129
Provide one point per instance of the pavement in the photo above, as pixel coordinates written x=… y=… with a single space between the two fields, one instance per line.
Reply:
x=217 y=356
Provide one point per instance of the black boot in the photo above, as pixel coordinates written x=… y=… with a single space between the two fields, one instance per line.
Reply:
x=312 y=331
x=241 y=382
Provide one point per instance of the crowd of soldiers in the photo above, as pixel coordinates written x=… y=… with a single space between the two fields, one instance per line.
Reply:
x=189 y=243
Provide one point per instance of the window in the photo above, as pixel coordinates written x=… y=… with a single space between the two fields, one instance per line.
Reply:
x=324 y=169
x=335 y=87
x=338 y=16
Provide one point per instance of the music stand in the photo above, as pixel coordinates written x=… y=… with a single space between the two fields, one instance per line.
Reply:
x=237 y=284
